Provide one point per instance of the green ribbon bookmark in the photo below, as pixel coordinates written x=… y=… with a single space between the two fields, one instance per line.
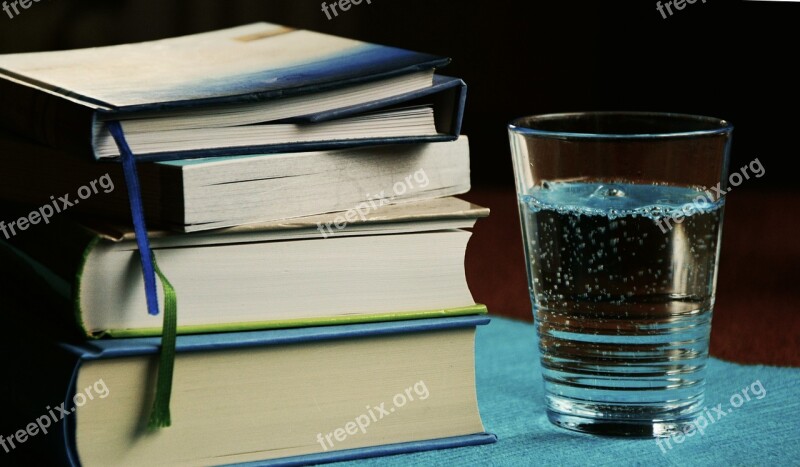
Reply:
x=160 y=415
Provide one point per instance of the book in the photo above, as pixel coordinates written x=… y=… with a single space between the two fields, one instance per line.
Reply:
x=291 y=397
x=201 y=194
x=399 y=262
x=240 y=88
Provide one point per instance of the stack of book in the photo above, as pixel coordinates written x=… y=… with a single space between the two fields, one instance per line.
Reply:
x=298 y=192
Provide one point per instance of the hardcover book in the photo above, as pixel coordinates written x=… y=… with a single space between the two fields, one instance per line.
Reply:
x=291 y=397
x=249 y=88
x=399 y=262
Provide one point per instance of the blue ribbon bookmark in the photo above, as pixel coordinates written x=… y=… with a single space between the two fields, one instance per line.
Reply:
x=160 y=413
x=137 y=212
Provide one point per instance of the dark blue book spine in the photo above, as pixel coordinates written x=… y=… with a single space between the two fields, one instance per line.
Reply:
x=115 y=348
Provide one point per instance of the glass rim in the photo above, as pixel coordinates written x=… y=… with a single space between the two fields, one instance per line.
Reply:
x=712 y=126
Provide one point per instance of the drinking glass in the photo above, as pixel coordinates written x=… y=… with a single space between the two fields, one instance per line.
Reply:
x=621 y=228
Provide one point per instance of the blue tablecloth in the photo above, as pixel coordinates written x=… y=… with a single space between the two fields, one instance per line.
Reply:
x=762 y=431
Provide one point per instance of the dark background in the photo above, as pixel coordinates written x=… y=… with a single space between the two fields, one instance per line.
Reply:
x=734 y=60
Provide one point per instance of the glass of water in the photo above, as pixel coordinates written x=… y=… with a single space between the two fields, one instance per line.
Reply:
x=621 y=218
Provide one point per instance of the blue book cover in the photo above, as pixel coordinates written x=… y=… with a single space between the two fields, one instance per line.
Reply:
x=256 y=60
x=75 y=91
x=361 y=343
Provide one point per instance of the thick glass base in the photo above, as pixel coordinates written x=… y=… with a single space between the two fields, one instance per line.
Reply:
x=626 y=419
x=629 y=428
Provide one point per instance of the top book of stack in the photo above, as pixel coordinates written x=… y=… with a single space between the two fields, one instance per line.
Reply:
x=253 y=89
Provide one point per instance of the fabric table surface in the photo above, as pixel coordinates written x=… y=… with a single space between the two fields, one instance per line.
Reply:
x=761 y=431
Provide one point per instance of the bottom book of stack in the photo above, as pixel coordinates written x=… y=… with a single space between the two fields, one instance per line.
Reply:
x=284 y=397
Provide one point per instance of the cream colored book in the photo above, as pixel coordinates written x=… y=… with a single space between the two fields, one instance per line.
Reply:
x=304 y=396
x=395 y=262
